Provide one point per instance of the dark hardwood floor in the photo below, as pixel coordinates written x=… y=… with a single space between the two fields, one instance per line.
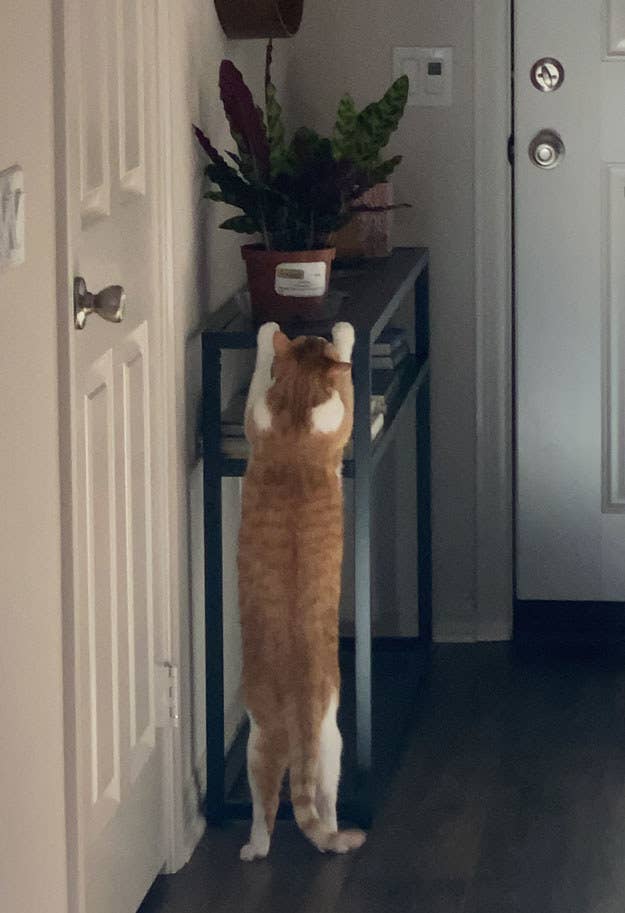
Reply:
x=509 y=798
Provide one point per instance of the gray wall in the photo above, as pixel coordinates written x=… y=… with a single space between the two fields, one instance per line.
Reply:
x=347 y=46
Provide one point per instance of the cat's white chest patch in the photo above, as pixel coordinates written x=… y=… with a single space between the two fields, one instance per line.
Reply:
x=261 y=414
x=327 y=417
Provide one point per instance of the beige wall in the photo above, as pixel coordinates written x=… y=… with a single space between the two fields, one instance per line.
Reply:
x=208 y=269
x=347 y=46
x=32 y=842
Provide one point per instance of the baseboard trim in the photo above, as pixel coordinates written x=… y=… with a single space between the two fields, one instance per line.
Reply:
x=569 y=622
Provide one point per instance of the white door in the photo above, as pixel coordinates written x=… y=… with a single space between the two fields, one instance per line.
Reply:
x=112 y=200
x=570 y=300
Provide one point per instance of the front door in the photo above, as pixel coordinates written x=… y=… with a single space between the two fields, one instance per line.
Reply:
x=569 y=85
x=110 y=151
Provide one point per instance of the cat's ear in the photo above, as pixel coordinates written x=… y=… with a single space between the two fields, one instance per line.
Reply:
x=281 y=343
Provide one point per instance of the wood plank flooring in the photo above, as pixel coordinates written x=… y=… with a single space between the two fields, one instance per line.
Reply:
x=509 y=798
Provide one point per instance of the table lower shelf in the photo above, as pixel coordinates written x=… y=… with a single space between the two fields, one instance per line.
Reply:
x=398 y=667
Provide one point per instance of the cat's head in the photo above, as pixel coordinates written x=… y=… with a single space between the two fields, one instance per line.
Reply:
x=310 y=401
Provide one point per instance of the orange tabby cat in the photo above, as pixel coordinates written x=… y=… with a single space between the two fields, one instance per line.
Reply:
x=298 y=419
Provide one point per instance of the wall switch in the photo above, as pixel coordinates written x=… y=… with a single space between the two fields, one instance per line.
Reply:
x=12 y=200
x=430 y=73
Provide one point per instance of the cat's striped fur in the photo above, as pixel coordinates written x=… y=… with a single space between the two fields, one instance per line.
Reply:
x=298 y=420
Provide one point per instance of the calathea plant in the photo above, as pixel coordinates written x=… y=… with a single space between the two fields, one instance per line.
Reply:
x=360 y=136
x=294 y=194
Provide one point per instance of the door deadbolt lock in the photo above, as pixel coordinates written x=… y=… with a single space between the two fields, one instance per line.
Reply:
x=109 y=304
x=546 y=150
x=547 y=74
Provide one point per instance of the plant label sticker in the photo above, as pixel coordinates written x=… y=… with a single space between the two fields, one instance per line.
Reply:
x=301 y=280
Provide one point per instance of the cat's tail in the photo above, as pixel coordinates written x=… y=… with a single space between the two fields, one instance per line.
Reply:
x=303 y=781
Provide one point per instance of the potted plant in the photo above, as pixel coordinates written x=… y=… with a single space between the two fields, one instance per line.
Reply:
x=360 y=137
x=295 y=195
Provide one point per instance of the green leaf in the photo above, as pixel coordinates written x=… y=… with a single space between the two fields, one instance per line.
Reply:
x=359 y=137
x=232 y=188
x=345 y=127
x=380 y=119
x=278 y=154
x=384 y=170
x=244 y=225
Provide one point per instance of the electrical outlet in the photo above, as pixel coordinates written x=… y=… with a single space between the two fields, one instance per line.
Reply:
x=430 y=73
x=12 y=202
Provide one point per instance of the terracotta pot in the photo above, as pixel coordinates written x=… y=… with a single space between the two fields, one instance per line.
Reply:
x=259 y=18
x=288 y=286
x=369 y=233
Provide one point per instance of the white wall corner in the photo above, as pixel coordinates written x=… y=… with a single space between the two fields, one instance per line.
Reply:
x=493 y=301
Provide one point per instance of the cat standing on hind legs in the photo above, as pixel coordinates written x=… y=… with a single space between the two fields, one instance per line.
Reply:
x=298 y=419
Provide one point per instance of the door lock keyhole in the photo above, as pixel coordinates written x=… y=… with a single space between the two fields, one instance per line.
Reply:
x=547 y=74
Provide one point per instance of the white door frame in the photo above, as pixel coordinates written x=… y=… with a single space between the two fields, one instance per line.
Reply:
x=493 y=300
x=176 y=841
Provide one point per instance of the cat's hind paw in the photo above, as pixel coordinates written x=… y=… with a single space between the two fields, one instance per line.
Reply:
x=344 y=841
x=251 y=851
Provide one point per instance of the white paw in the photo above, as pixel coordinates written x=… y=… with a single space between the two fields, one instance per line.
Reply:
x=265 y=338
x=343 y=337
x=349 y=840
x=250 y=852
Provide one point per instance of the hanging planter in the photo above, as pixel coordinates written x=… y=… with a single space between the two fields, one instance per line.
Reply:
x=259 y=18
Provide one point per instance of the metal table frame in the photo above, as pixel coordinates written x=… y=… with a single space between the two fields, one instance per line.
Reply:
x=373 y=294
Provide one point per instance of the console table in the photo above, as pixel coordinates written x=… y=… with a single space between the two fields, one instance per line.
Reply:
x=372 y=293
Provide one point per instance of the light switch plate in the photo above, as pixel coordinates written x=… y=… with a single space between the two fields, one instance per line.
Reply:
x=430 y=73
x=12 y=203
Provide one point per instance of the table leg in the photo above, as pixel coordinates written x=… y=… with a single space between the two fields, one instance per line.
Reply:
x=424 y=494
x=213 y=582
x=362 y=575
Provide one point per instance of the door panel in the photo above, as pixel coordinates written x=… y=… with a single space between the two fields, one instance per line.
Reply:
x=117 y=475
x=131 y=95
x=136 y=492
x=616 y=28
x=614 y=336
x=100 y=680
x=569 y=300
x=93 y=108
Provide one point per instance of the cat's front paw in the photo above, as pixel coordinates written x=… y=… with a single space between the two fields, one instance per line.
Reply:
x=343 y=337
x=251 y=851
x=265 y=338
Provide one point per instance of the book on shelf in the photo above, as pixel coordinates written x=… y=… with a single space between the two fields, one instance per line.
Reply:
x=385 y=384
x=393 y=359
x=233 y=415
x=388 y=340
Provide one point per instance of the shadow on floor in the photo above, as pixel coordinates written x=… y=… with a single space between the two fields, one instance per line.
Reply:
x=509 y=798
